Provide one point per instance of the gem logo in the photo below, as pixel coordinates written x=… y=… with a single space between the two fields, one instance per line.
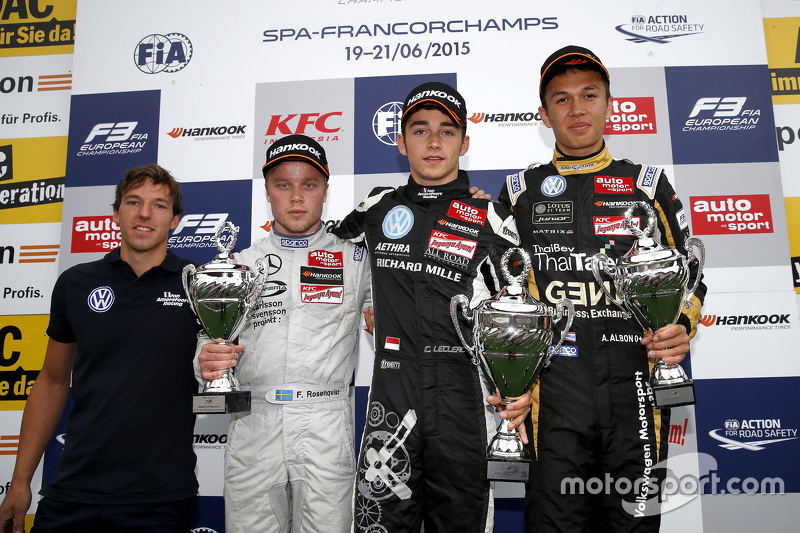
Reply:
x=162 y=53
x=554 y=185
x=95 y=234
x=386 y=122
x=731 y=215
x=398 y=222
x=631 y=116
x=101 y=299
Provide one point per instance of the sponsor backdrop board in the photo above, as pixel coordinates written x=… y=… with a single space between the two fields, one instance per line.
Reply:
x=695 y=86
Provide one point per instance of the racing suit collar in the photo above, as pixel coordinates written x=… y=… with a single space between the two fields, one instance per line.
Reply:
x=458 y=188
x=297 y=241
x=581 y=165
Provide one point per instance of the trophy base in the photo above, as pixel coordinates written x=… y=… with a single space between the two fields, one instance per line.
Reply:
x=673 y=395
x=221 y=402
x=515 y=470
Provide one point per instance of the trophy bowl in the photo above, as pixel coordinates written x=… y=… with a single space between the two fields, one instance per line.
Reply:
x=222 y=293
x=512 y=336
x=652 y=281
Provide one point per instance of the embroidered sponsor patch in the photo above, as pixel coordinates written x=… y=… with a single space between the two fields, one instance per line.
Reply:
x=554 y=185
x=392 y=343
x=326 y=259
x=467 y=213
x=648 y=180
x=294 y=243
x=613 y=185
x=614 y=225
x=450 y=243
x=516 y=186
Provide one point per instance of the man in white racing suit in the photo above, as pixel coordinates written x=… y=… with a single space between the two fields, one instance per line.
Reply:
x=290 y=462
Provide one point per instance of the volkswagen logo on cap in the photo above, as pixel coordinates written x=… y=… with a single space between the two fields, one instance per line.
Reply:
x=101 y=299
x=398 y=222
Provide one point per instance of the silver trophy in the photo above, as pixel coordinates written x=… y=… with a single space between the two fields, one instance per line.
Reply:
x=652 y=281
x=222 y=293
x=512 y=342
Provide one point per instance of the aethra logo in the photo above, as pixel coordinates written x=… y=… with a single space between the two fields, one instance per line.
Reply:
x=162 y=53
x=553 y=185
x=101 y=299
x=398 y=222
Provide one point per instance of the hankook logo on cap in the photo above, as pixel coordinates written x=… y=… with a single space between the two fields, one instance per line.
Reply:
x=101 y=299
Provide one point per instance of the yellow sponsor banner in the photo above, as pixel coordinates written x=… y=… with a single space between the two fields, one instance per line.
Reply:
x=793 y=224
x=37 y=27
x=783 y=58
x=23 y=342
x=35 y=192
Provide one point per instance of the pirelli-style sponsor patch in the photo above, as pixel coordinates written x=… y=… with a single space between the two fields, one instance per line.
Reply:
x=325 y=259
x=515 y=183
x=648 y=180
x=552 y=213
x=467 y=213
x=613 y=185
x=450 y=243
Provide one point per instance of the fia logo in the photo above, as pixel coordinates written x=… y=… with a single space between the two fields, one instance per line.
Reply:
x=398 y=222
x=553 y=185
x=101 y=299
x=386 y=122
x=162 y=53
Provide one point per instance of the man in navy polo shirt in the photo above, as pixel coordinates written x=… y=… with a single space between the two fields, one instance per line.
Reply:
x=122 y=330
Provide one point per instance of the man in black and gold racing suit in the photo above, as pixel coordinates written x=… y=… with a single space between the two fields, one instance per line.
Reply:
x=592 y=417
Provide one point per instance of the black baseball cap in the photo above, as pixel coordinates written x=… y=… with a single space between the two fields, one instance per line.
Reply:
x=570 y=57
x=438 y=94
x=297 y=148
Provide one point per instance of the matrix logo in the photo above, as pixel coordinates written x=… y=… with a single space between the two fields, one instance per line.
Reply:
x=386 y=122
x=162 y=53
x=326 y=125
x=731 y=215
x=721 y=114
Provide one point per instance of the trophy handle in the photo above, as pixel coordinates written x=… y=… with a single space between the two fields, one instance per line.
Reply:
x=563 y=306
x=608 y=265
x=258 y=284
x=460 y=299
x=187 y=273
x=694 y=242
x=651 y=220
x=225 y=250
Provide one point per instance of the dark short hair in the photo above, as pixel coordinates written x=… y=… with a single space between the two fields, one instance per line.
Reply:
x=406 y=118
x=155 y=173
x=574 y=69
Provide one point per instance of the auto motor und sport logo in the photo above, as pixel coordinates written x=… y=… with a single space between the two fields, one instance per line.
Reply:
x=631 y=115
x=731 y=215
x=658 y=29
x=162 y=53
x=92 y=234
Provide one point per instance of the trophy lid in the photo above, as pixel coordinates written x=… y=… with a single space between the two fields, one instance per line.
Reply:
x=646 y=249
x=514 y=298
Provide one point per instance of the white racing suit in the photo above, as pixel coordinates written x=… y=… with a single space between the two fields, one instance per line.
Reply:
x=290 y=462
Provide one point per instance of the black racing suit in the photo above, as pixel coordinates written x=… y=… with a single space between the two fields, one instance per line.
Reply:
x=591 y=413
x=423 y=454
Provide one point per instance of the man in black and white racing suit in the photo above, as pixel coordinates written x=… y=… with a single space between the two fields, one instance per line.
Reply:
x=592 y=415
x=423 y=455
x=290 y=462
